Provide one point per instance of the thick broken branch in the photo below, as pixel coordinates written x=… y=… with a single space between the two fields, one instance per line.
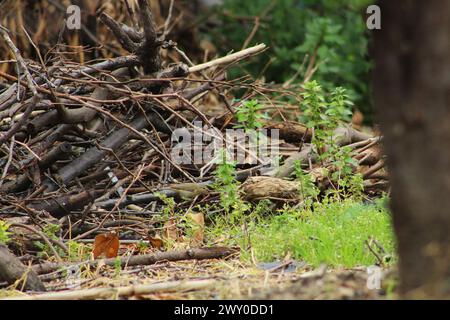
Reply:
x=11 y=270
x=147 y=259
x=234 y=57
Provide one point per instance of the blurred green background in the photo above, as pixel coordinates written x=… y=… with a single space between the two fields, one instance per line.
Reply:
x=332 y=32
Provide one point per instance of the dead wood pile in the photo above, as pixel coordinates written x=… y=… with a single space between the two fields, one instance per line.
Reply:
x=87 y=145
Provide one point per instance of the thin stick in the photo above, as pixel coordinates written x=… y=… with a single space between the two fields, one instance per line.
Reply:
x=8 y=163
x=30 y=82
x=20 y=61
x=45 y=238
x=108 y=293
x=29 y=149
x=16 y=127
x=169 y=17
x=230 y=58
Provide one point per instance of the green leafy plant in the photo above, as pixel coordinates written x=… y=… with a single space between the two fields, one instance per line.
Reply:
x=170 y=204
x=349 y=182
x=307 y=188
x=172 y=222
x=323 y=117
x=226 y=183
x=248 y=115
x=314 y=105
x=228 y=188
x=339 y=107
x=4 y=234
x=50 y=230
x=117 y=266
x=142 y=247
x=78 y=251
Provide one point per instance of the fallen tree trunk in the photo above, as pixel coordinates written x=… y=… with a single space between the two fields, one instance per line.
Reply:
x=11 y=270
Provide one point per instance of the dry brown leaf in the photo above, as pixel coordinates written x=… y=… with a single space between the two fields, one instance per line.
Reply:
x=107 y=244
x=156 y=242
x=171 y=230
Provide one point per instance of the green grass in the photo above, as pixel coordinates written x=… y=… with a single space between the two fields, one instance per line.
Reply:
x=335 y=234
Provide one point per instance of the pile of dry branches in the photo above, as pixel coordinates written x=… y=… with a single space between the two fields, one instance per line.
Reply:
x=89 y=144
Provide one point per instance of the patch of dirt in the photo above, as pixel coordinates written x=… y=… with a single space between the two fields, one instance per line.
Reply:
x=334 y=284
x=232 y=279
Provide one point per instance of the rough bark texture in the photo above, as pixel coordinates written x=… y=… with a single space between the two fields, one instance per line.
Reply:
x=11 y=269
x=412 y=92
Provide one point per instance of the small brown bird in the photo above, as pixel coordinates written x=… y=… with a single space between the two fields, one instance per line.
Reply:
x=188 y=191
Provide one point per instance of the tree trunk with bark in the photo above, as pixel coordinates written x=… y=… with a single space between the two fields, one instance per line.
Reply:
x=412 y=94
